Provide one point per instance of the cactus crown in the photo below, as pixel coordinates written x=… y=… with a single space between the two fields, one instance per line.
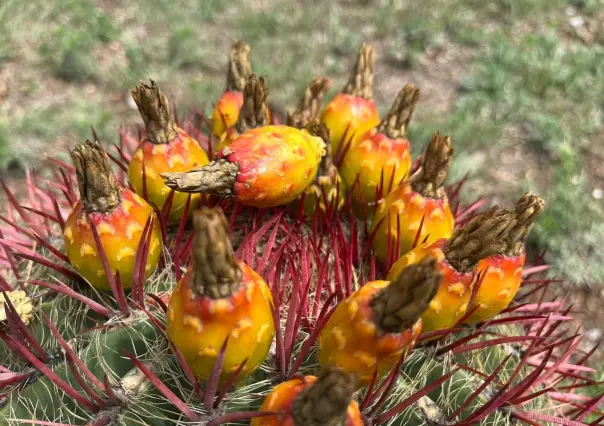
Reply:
x=309 y=106
x=254 y=112
x=215 y=272
x=240 y=67
x=527 y=209
x=98 y=188
x=360 y=82
x=326 y=401
x=154 y=108
x=399 y=305
x=395 y=124
x=482 y=236
x=429 y=182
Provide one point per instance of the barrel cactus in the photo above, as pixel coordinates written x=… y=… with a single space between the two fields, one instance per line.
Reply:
x=240 y=307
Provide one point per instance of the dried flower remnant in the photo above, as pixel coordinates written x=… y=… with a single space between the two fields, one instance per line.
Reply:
x=311 y=401
x=503 y=270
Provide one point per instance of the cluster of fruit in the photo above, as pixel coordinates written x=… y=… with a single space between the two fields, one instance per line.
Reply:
x=446 y=273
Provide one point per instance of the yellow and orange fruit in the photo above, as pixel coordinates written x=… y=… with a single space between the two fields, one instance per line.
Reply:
x=503 y=270
x=422 y=201
x=229 y=104
x=220 y=298
x=458 y=259
x=353 y=112
x=254 y=112
x=264 y=167
x=380 y=322
x=312 y=401
x=380 y=159
x=167 y=148
x=327 y=189
x=119 y=216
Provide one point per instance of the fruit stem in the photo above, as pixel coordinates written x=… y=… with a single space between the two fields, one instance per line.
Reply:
x=215 y=272
x=326 y=401
x=154 y=108
x=360 y=82
x=309 y=106
x=399 y=305
x=240 y=67
x=527 y=209
x=429 y=181
x=483 y=236
x=395 y=124
x=216 y=178
x=98 y=187
x=254 y=112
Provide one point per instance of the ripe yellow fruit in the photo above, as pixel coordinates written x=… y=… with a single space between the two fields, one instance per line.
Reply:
x=421 y=201
x=312 y=401
x=254 y=112
x=372 y=328
x=352 y=112
x=327 y=188
x=227 y=108
x=119 y=216
x=458 y=258
x=264 y=167
x=381 y=158
x=167 y=148
x=503 y=271
x=219 y=298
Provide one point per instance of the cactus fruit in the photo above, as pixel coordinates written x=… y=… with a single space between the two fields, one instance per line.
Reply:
x=379 y=160
x=503 y=270
x=352 y=112
x=327 y=191
x=327 y=188
x=380 y=322
x=119 y=216
x=311 y=401
x=420 y=202
x=227 y=108
x=264 y=167
x=458 y=258
x=73 y=355
x=254 y=112
x=167 y=148
x=219 y=298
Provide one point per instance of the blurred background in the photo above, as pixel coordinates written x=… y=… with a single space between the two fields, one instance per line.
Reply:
x=518 y=84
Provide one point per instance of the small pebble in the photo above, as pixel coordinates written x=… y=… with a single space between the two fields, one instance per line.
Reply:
x=576 y=21
x=593 y=334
